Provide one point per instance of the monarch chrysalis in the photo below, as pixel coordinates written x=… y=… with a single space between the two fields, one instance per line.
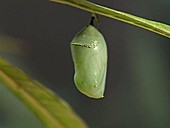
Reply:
x=89 y=53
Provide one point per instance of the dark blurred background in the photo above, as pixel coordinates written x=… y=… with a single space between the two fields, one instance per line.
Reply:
x=35 y=35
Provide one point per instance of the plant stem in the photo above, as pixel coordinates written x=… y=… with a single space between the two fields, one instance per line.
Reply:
x=150 y=25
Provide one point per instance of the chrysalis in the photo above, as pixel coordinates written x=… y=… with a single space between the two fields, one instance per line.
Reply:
x=89 y=53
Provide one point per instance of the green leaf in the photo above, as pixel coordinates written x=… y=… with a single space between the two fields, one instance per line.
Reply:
x=49 y=108
x=153 y=26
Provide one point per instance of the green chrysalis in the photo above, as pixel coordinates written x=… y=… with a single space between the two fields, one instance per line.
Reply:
x=89 y=53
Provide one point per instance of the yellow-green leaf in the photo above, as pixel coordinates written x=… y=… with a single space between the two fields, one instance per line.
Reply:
x=49 y=108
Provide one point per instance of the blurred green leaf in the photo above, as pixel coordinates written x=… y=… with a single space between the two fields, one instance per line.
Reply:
x=49 y=108
x=150 y=25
